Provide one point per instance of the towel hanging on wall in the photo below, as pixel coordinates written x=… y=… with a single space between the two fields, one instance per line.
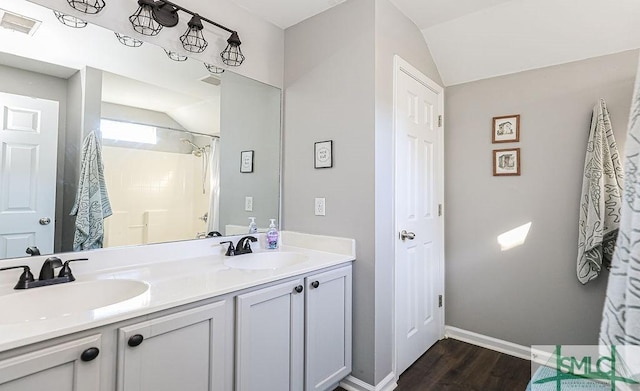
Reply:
x=600 y=200
x=621 y=315
x=92 y=202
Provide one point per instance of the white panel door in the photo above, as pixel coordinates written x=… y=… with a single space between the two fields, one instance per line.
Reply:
x=419 y=238
x=28 y=160
x=270 y=339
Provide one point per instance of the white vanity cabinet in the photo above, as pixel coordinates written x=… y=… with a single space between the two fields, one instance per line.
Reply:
x=270 y=338
x=296 y=335
x=327 y=328
x=182 y=351
x=70 y=366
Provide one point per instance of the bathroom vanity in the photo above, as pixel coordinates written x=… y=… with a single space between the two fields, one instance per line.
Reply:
x=183 y=316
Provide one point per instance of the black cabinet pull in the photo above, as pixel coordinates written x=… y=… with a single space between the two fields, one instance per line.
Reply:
x=89 y=354
x=299 y=288
x=135 y=340
x=315 y=284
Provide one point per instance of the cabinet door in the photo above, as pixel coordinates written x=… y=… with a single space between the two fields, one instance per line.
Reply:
x=328 y=328
x=183 y=351
x=270 y=339
x=58 y=368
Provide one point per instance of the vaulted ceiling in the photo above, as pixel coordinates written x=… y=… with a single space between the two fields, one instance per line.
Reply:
x=478 y=39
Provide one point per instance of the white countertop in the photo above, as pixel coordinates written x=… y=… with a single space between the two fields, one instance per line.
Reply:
x=172 y=280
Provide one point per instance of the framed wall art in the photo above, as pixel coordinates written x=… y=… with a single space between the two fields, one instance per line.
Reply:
x=246 y=161
x=323 y=152
x=506 y=129
x=506 y=162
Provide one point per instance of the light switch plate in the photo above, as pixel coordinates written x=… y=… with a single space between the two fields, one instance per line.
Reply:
x=320 y=206
x=248 y=204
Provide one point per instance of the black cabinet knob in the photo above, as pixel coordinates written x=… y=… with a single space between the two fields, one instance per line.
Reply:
x=299 y=288
x=135 y=340
x=315 y=284
x=89 y=354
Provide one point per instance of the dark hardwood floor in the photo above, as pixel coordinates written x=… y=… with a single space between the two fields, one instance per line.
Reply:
x=452 y=365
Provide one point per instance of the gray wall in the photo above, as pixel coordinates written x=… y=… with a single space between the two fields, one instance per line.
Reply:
x=250 y=119
x=529 y=294
x=21 y=82
x=339 y=86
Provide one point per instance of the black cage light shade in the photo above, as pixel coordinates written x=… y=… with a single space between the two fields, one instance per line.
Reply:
x=193 y=39
x=70 y=21
x=143 y=21
x=232 y=55
x=87 y=6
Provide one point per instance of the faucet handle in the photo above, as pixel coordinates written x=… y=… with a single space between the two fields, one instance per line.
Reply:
x=231 y=251
x=33 y=250
x=66 y=270
x=25 y=278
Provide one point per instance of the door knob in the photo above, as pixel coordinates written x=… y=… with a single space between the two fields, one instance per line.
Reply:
x=45 y=221
x=404 y=235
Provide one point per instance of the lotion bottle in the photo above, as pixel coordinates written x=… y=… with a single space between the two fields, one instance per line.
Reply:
x=272 y=235
x=253 y=228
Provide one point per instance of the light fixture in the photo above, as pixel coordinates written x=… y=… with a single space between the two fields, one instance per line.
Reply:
x=129 y=41
x=143 y=20
x=87 y=6
x=69 y=20
x=232 y=55
x=193 y=39
x=213 y=69
x=152 y=15
x=175 y=56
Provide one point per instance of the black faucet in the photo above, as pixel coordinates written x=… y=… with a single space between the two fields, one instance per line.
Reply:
x=47 y=276
x=33 y=251
x=244 y=245
x=231 y=251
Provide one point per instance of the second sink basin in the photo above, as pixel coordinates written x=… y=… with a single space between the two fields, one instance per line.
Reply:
x=265 y=261
x=38 y=304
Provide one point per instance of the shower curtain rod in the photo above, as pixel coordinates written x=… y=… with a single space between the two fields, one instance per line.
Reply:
x=164 y=127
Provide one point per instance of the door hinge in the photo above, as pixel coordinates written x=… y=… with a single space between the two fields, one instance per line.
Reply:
x=439 y=301
x=439 y=209
x=440 y=121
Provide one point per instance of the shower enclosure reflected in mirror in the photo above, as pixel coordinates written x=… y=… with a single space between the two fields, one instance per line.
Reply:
x=171 y=131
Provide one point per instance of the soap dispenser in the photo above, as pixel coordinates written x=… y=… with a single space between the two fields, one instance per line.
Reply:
x=253 y=228
x=272 y=235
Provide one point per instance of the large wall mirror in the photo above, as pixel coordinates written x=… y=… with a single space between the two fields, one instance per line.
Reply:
x=172 y=132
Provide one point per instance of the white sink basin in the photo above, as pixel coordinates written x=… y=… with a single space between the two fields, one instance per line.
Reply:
x=265 y=261
x=38 y=304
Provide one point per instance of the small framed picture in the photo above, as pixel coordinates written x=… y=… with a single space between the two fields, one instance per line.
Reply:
x=506 y=162
x=506 y=129
x=246 y=161
x=323 y=151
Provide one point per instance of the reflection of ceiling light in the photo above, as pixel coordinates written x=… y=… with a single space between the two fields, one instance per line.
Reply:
x=16 y=22
x=175 y=56
x=70 y=21
x=87 y=6
x=514 y=237
x=213 y=69
x=129 y=41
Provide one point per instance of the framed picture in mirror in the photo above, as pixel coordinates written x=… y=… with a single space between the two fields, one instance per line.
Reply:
x=323 y=152
x=246 y=161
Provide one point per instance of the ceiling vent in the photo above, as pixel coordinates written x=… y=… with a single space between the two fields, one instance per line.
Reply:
x=16 y=22
x=211 y=80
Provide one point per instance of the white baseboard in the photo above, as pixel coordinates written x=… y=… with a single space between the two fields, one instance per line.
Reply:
x=351 y=383
x=484 y=341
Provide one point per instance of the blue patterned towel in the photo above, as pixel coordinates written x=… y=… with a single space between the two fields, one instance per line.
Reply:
x=92 y=202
